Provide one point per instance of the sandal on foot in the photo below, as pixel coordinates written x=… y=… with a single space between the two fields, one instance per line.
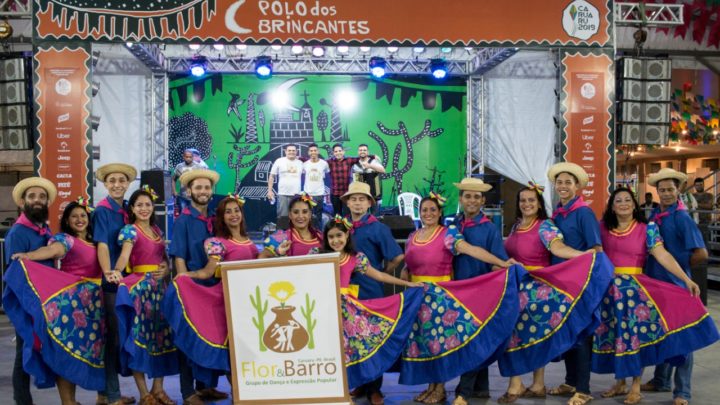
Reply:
x=102 y=400
x=421 y=397
x=528 y=393
x=579 y=399
x=459 y=400
x=562 y=389
x=680 y=401
x=163 y=398
x=615 y=391
x=436 y=396
x=148 y=399
x=633 y=398
x=508 y=398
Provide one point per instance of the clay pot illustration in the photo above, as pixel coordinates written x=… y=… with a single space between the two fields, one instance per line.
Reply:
x=285 y=334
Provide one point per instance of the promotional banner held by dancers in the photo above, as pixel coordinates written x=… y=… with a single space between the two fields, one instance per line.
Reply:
x=285 y=330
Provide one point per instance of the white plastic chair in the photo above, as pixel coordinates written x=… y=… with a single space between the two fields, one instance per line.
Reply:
x=409 y=204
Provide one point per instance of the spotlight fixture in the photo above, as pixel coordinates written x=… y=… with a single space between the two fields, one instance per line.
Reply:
x=438 y=68
x=296 y=49
x=446 y=50
x=194 y=47
x=198 y=66
x=276 y=48
x=219 y=47
x=418 y=49
x=365 y=49
x=392 y=49
x=95 y=88
x=263 y=67
x=95 y=58
x=318 y=51
x=377 y=66
x=94 y=122
x=343 y=49
x=129 y=44
x=241 y=47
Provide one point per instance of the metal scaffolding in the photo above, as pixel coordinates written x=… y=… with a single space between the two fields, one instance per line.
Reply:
x=648 y=14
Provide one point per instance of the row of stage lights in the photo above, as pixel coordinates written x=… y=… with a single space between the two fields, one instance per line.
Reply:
x=377 y=65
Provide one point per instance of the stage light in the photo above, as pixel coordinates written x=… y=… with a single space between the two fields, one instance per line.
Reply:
x=241 y=47
x=94 y=122
x=263 y=67
x=392 y=49
x=219 y=47
x=276 y=48
x=377 y=66
x=346 y=100
x=343 y=49
x=197 y=66
x=446 y=50
x=418 y=49
x=280 y=99
x=318 y=51
x=365 y=49
x=95 y=58
x=95 y=88
x=194 y=47
x=296 y=49
x=438 y=68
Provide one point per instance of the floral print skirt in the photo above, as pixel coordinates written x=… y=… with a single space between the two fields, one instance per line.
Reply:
x=146 y=339
x=59 y=316
x=645 y=322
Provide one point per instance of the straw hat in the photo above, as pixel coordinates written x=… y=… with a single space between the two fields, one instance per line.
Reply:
x=665 y=174
x=567 y=167
x=358 y=187
x=191 y=175
x=473 y=184
x=25 y=184
x=105 y=170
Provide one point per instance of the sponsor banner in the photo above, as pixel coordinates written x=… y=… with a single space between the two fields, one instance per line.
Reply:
x=548 y=22
x=63 y=134
x=284 y=329
x=587 y=121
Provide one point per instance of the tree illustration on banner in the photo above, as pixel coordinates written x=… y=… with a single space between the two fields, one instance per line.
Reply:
x=188 y=131
x=251 y=128
x=396 y=171
x=322 y=123
x=261 y=120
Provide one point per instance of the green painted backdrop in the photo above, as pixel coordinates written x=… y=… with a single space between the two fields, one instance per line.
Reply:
x=415 y=125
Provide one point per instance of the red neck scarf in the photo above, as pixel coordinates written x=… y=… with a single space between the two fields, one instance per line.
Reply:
x=24 y=221
x=367 y=219
x=208 y=220
x=657 y=216
x=475 y=221
x=110 y=204
x=560 y=210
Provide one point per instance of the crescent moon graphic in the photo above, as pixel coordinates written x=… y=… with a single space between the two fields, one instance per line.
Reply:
x=286 y=85
x=230 y=19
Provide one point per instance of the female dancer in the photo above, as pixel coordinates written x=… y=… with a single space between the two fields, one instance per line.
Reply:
x=202 y=336
x=145 y=336
x=546 y=316
x=301 y=238
x=375 y=331
x=644 y=321
x=70 y=330
x=428 y=256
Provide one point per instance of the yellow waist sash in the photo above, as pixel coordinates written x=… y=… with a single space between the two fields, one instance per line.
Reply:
x=144 y=268
x=628 y=270
x=352 y=289
x=97 y=281
x=430 y=279
x=531 y=268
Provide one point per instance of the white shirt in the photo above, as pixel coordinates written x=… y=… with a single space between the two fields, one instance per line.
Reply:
x=287 y=173
x=315 y=176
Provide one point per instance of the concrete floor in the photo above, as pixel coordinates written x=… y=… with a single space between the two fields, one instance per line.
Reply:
x=706 y=390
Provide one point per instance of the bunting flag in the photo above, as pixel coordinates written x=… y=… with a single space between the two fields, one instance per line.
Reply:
x=695 y=119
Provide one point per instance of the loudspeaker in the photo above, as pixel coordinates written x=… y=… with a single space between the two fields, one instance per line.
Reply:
x=637 y=90
x=13 y=116
x=14 y=139
x=12 y=92
x=642 y=134
x=401 y=226
x=646 y=68
x=158 y=180
x=12 y=69
x=656 y=113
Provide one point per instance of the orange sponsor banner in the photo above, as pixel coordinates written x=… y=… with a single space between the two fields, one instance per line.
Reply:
x=457 y=22
x=587 y=134
x=61 y=95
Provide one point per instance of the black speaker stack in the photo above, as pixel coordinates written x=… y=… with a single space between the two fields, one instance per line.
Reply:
x=15 y=102
x=644 y=93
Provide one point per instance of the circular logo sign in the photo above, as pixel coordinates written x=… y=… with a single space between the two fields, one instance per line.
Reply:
x=587 y=90
x=581 y=20
x=63 y=87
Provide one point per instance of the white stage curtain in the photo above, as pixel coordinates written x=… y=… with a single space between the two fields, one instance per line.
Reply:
x=520 y=132
x=121 y=105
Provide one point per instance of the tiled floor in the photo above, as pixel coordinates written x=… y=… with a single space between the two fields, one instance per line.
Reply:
x=706 y=387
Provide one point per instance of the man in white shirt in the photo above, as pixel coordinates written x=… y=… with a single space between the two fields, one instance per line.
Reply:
x=287 y=170
x=368 y=170
x=315 y=170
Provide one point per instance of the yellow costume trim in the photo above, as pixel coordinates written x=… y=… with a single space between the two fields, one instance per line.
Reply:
x=628 y=270
x=430 y=279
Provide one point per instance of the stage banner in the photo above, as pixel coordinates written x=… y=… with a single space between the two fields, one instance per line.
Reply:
x=62 y=102
x=284 y=323
x=412 y=22
x=240 y=123
x=587 y=103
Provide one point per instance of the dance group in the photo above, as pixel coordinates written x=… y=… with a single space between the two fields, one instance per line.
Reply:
x=607 y=297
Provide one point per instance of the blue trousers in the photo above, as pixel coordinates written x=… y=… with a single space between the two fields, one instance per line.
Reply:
x=682 y=378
